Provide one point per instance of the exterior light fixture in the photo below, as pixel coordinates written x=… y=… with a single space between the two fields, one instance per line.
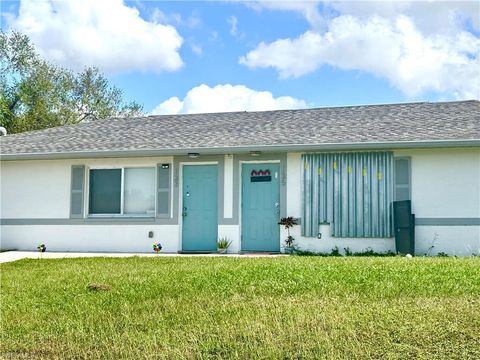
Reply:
x=193 y=155
x=255 y=153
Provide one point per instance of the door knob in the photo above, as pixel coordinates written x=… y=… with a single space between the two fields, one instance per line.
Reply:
x=184 y=213
x=277 y=208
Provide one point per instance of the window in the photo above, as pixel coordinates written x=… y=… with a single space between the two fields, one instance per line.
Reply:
x=350 y=191
x=129 y=191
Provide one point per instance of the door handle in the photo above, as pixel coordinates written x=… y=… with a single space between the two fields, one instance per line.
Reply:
x=184 y=213
x=277 y=208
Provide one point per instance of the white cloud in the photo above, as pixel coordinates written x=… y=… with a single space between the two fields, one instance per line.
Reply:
x=196 y=49
x=309 y=9
x=394 y=49
x=106 y=33
x=429 y=16
x=223 y=98
x=233 y=21
x=192 y=21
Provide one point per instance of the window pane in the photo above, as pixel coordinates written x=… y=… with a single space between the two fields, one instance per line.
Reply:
x=105 y=191
x=139 y=188
x=402 y=176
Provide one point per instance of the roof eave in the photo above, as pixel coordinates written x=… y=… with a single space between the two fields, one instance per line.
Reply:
x=243 y=149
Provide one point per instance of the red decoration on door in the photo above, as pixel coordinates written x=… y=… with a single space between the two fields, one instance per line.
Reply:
x=260 y=172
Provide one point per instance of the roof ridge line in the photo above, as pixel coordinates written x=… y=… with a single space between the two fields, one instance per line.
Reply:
x=312 y=108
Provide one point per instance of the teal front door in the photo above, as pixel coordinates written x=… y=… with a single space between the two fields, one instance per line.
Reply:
x=200 y=221
x=260 y=207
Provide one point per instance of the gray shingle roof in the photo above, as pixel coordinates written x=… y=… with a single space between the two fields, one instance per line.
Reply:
x=411 y=122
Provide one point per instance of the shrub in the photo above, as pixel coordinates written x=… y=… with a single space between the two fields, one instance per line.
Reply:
x=223 y=243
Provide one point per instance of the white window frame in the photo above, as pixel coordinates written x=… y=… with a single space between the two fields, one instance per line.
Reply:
x=122 y=192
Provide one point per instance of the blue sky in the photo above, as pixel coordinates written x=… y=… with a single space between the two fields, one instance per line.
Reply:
x=262 y=54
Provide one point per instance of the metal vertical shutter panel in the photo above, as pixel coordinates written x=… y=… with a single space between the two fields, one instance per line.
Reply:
x=164 y=190
x=350 y=191
x=77 y=186
x=306 y=196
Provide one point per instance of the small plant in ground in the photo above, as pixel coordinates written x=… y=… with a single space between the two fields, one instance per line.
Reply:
x=223 y=244
x=288 y=222
x=370 y=252
x=289 y=241
x=432 y=244
x=301 y=252
x=335 y=252
x=157 y=247
x=442 y=254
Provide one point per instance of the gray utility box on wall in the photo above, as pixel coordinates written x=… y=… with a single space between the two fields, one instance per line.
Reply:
x=404 y=227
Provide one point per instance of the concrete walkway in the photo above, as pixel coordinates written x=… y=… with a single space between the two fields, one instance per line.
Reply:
x=9 y=256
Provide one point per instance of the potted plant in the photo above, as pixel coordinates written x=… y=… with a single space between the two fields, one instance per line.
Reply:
x=288 y=222
x=222 y=245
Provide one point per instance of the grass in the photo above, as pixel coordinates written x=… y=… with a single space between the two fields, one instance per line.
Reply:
x=245 y=308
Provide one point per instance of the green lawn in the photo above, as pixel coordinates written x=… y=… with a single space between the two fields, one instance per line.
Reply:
x=246 y=308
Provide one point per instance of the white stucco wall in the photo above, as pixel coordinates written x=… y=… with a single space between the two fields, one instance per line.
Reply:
x=35 y=189
x=445 y=184
x=228 y=187
x=93 y=238
x=231 y=232
x=41 y=190
x=452 y=240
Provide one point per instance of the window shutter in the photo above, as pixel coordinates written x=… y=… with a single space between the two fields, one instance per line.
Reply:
x=350 y=191
x=164 y=172
x=402 y=179
x=77 y=189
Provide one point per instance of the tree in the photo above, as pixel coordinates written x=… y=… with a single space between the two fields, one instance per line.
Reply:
x=35 y=94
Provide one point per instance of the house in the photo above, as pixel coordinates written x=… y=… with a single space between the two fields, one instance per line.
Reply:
x=119 y=185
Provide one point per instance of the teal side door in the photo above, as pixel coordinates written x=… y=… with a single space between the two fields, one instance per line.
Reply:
x=260 y=207
x=200 y=213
